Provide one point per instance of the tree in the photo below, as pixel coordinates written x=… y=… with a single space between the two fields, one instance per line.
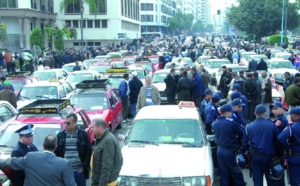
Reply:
x=180 y=22
x=275 y=39
x=59 y=40
x=93 y=5
x=3 y=32
x=198 y=27
x=37 y=38
x=261 y=17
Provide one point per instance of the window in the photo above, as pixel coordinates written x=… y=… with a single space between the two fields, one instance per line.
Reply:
x=68 y=23
x=122 y=8
x=146 y=7
x=104 y=23
x=33 y=4
x=90 y=23
x=90 y=43
x=61 y=91
x=75 y=23
x=8 y=4
x=73 y=8
x=76 y=43
x=101 y=7
x=97 y=23
x=50 y=6
x=97 y=43
x=67 y=87
x=5 y=113
x=146 y=18
x=43 y=5
x=84 y=23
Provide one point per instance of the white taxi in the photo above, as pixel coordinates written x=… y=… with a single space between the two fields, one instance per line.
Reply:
x=167 y=145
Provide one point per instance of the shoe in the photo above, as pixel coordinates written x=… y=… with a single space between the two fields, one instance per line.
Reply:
x=124 y=121
x=128 y=120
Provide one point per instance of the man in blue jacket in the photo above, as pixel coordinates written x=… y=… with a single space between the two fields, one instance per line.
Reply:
x=198 y=86
x=123 y=93
x=260 y=138
x=290 y=140
x=211 y=112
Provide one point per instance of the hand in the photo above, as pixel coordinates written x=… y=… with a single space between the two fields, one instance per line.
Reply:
x=81 y=170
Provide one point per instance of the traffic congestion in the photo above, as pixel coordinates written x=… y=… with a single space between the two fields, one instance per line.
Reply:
x=198 y=110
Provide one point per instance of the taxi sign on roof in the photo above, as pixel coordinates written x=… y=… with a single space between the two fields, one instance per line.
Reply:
x=187 y=104
x=142 y=59
x=52 y=106
x=115 y=57
x=114 y=70
x=18 y=74
x=102 y=83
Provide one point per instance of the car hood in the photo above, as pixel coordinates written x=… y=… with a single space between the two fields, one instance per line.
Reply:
x=163 y=161
x=22 y=103
x=160 y=86
x=283 y=70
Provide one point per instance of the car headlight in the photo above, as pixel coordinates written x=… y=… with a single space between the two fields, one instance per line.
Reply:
x=128 y=181
x=194 y=181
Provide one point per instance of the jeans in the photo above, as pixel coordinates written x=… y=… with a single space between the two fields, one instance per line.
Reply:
x=133 y=109
x=80 y=178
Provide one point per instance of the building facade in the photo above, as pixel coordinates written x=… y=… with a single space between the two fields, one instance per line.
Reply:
x=155 y=15
x=115 y=20
x=22 y=16
x=199 y=8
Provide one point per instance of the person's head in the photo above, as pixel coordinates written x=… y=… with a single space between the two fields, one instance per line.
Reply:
x=50 y=143
x=226 y=110
x=126 y=76
x=260 y=111
x=71 y=122
x=184 y=73
x=224 y=68
x=215 y=98
x=6 y=84
x=76 y=63
x=264 y=74
x=297 y=82
x=134 y=74
x=234 y=75
x=148 y=80
x=201 y=67
x=287 y=76
x=208 y=93
x=25 y=134
x=2 y=79
x=40 y=63
x=187 y=68
x=255 y=75
x=237 y=104
x=181 y=71
x=98 y=127
x=193 y=70
x=297 y=76
x=179 y=60
x=277 y=108
x=229 y=70
x=172 y=71
x=295 y=113
x=241 y=73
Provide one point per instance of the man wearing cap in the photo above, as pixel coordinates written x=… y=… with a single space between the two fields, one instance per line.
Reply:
x=208 y=93
x=289 y=138
x=42 y=168
x=211 y=112
x=237 y=107
x=171 y=87
x=184 y=87
x=228 y=134
x=135 y=85
x=8 y=95
x=23 y=146
x=280 y=121
x=260 y=139
x=237 y=94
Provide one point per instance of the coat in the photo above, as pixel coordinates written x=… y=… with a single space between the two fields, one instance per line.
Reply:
x=268 y=90
x=9 y=96
x=252 y=66
x=171 y=86
x=198 y=86
x=135 y=86
x=262 y=65
x=141 y=102
x=42 y=168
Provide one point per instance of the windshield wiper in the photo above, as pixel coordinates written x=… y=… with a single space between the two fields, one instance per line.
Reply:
x=25 y=97
x=42 y=97
x=6 y=146
x=144 y=141
x=184 y=144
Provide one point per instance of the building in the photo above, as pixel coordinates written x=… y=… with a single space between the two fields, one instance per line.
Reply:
x=115 y=21
x=199 y=8
x=188 y=7
x=155 y=15
x=204 y=8
x=22 y=16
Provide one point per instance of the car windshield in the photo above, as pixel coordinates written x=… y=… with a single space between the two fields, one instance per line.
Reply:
x=118 y=64
x=45 y=76
x=75 y=78
x=140 y=73
x=17 y=84
x=69 y=68
x=40 y=131
x=90 y=102
x=159 y=77
x=258 y=58
x=89 y=62
x=217 y=64
x=39 y=92
x=154 y=60
x=147 y=66
x=130 y=60
x=115 y=82
x=166 y=131
x=101 y=69
x=282 y=64
x=284 y=56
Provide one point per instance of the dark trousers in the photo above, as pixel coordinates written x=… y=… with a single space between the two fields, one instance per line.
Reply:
x=184 y=95
x=251 y=109
x=228 y=167
x=21 y=63
x=293 y=171
x=171 y=99
x=260 y=167
x=80 y=178
x=125 y=108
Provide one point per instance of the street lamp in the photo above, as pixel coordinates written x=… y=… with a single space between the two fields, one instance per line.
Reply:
x=282 y=22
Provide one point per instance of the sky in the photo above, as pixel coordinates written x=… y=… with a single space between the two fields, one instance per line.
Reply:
x=219 y=5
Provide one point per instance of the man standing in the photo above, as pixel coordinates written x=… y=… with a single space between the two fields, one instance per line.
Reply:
x=260 y=140
x=262 y=65
x=8 y=95
x=208 y=93
x=171 y=87
x=149 y=95
x=124 y=92
x=227 y=134
x=280 y=121
x=43 y=168
x=250 y=91
x=235 y=57
x=292 y=94
x=76 y=67
x=198 y=86
x=211 y=112
x=288 y=80
x=237 y=115
x=184 y=87
x=74 y=145
x=134 y=86
x=8 y=61
x=224 y=82
x=290 y=140
x=266 y=92
x=252 y=67
x=107 y=157
x=24 y=146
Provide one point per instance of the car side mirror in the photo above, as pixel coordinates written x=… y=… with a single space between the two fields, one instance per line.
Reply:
x=210 y=138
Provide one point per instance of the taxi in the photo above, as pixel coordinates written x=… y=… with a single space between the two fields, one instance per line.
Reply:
x=19 y=79
x=47 y=116
x=99 y=100
x=45 y=75
x=154 y=60
x=115 y=76
x=100 y=67
x=88 y=62
x=102 y=58
x=128 y=58
x=69 y=67
x=140 y=70
x=146 y=63
x=77 y=76
x=175 y=140
x=52 y=89
x=7 y=111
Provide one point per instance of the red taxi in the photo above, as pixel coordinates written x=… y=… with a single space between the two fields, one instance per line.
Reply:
x=146 y=63
x=100 y=67
x=19 y=79
x=117 y=63
x=128 y=59
x=99 y=99
x=154 y=60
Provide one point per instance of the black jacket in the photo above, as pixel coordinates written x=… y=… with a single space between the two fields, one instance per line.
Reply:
x=252 y=66
x=185 y=83
x=84 y=147
x=262 y=65
x=250 y=90
x=225 y=80
x=171 y=86
x=135 y=86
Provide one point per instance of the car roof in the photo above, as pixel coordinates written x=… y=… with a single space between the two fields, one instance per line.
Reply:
x=278 y=60
x=100 y=63
x=84 y=72
x=169 y=112
x=162 y=71
x=235 y=66
x=72 y=64
x=44 y=84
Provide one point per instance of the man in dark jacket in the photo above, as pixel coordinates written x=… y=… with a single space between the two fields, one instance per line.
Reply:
x=184 y=86
x=289 y=80
x=7 y=94
x=266 y=92
x=262 y=65
x=107 y=158
x=134 y=89
x=124 y=93
x=171 y=87
x=250 y=91
x=75 y=145
x=76 y=67
x=252 y=67
x=225 y=81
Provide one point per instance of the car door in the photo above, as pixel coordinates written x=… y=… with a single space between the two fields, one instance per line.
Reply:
x=61 y=92
x=6 y=112
x=68 y=89
x=114 y=109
